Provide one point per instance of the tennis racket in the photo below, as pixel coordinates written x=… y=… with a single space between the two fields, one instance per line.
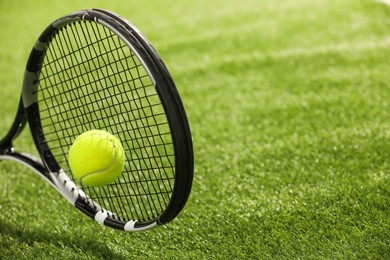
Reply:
x=90 y=70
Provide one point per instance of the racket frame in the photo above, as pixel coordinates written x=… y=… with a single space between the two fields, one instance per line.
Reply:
x=48 y=168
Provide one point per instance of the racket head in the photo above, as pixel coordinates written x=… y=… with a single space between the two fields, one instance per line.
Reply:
x=94 y=70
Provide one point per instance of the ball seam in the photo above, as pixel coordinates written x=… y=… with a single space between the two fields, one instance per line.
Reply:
x=111 y=163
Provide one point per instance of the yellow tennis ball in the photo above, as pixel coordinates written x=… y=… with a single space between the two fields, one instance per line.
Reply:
x=96 y=158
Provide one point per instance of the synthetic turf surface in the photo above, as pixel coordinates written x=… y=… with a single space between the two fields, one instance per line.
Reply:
x=288 y=103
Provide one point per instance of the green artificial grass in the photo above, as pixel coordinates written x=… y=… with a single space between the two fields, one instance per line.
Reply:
x=288 y=103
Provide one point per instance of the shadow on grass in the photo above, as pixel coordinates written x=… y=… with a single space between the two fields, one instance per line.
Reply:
x=66 y=240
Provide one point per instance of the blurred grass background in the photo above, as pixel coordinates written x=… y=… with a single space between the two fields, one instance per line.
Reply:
x=288 y=103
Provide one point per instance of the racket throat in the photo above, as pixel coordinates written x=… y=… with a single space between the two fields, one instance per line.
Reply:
x=16 y=128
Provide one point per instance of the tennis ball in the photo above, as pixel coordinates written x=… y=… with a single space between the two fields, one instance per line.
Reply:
x=96 y=158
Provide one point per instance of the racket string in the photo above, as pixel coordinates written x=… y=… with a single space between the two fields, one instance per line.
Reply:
x=91 y=79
